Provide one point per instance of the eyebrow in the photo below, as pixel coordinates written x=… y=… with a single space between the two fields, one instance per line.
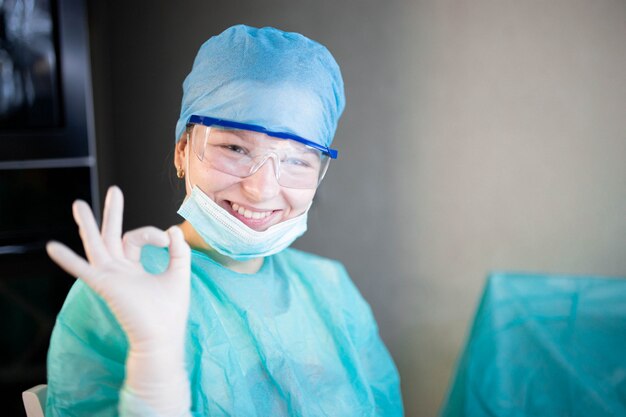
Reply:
x=244 y=136
x=238 y=133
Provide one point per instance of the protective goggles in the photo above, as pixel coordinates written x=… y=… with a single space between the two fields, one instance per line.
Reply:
x=241 y=149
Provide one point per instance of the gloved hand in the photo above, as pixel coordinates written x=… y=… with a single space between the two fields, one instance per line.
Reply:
x=151 y=309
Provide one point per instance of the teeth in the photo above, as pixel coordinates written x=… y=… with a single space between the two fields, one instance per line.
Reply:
x=248 y=214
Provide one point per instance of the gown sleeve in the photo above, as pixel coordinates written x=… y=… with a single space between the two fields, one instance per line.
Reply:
x=86 y=358
x=375 y=361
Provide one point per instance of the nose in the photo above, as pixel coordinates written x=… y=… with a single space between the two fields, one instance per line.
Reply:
x=262 y=185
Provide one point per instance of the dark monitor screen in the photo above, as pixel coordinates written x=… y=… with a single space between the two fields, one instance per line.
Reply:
x=45 y=82
x=29 y=74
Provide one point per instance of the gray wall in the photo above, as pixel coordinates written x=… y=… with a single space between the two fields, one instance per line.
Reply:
x=477 y=136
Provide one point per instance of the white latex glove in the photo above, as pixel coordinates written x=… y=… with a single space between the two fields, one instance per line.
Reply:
x=152 y=309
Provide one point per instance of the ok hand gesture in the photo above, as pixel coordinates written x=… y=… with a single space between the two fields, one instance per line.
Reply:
x=152 y=309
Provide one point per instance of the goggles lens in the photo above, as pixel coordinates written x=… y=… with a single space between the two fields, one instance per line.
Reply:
x=243 y=152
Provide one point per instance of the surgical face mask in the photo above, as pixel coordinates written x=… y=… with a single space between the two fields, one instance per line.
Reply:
x=229 y=236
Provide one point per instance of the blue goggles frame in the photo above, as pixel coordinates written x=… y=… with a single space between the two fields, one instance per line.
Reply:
x=211 y=121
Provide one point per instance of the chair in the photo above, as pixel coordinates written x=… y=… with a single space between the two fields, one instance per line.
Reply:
x=35 y=400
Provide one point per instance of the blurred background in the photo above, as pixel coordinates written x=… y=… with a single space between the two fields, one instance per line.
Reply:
x=478 y=136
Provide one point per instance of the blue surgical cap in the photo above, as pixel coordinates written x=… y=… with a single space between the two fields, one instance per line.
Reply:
x=279 y=80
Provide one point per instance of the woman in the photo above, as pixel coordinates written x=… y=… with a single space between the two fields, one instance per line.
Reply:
x=217 y=317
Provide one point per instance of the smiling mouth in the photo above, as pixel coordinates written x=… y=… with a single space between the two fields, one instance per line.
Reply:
x=256 y=220
x=249 y=214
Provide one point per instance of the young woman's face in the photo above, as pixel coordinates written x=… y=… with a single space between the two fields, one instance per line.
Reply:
x=258 y=200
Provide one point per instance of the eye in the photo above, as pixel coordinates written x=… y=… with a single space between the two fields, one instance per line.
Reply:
x=235 y=148
x=298 y=162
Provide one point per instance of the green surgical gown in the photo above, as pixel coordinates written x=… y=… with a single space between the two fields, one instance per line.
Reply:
x=294 y=339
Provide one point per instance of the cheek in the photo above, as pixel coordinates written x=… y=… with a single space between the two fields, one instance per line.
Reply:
x=299 y=200
x=211 y=181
